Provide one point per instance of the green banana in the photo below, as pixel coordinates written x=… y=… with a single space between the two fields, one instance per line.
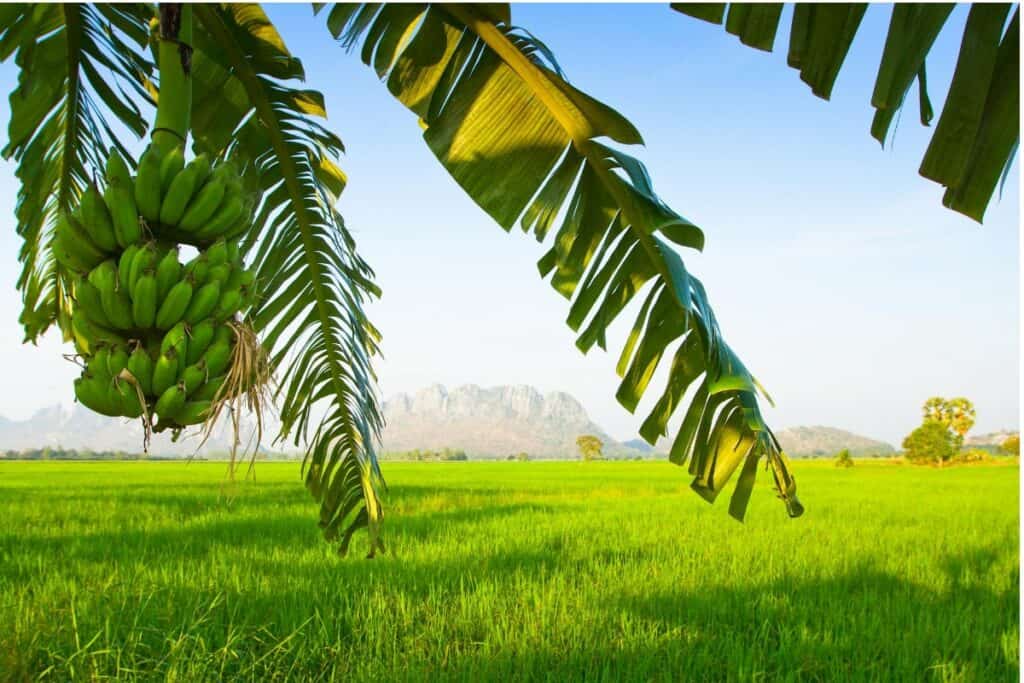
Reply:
x=121 y=202
x=194 y=376
x=208 y=391
x=124 y=264
x=116 y=304
x=219 y=274
x=193 y=412
x=128 y=398
x=217 y=253
x=88 y=334
x=92 y=394
x=202 y=207
x=174 y=306
x=229 y=304
x=234 y=255
x=217 y=358
x=176 y=338
x=224 y=335
x=99 y=364
x=88 y=298
x=165 y=371
x=117 y=171
x=144 y=301
x=168 y=272
x=140 y=364
x=73 y=247
x=147 y=185
x=241 y=225
x=201 y=337
x=145 y=259
x=203 y=303
x=170 y=402
x=117 y=360
x=170 y=167
x=197 y=269
x=179 y=194
x=95 y=217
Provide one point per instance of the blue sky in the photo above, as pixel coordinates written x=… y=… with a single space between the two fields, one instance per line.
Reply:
x=834 y=270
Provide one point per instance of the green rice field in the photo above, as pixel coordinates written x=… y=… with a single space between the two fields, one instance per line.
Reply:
x=509 y=571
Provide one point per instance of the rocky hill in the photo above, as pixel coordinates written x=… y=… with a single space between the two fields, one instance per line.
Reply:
x=492 y=422
x=82 y=429
x=811 y=442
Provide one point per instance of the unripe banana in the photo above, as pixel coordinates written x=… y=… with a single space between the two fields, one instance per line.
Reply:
x=203 y=206
x=140 y=364
x=177 y=338
x=179 y=194
x=229 y=304
x=170 y=167
x=147 y=185
x=121 y=202
x=114 y=300
x=144 y=301
x=144 y=261
x=208 y=391
x=170 y=402
x=241 y=225
x=165 y=372
x=197 y=269
x=88 y=334
x=129 y=401
x=193 y=412
x=224 y=335
x=87 y=297
x=72 y=245
x=117 y=360
x=220 y=274
x=217 y=358
x=93 y=395
x=96 y=219
x=174 y=306
x=193 y=377
x=234 y=255
x=124 y=264
x=217 y=253
x=99 y=364
x=230 y=210
x=168 y=272
x=117 y=171
x=200 y=340
x=203 y=303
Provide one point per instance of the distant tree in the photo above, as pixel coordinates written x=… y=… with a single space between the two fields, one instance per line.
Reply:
x=590 y=447
x=522 y=456
x=843 y=458
x=930 y=444
x=1011 y=446
x=955 y=414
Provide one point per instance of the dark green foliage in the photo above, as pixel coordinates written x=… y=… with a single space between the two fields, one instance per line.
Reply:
x=929 y=444
x=843 y=458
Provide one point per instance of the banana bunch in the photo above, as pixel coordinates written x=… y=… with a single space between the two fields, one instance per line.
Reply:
x=175 y=377
x=194 y=203
x=154 y=331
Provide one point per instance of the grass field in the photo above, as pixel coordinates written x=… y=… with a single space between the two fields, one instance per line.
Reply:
x=509 y=571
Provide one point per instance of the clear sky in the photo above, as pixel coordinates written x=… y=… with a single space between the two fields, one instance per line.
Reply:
x=835 y=272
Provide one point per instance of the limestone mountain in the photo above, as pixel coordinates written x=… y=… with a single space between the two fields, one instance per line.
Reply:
x=491 y=422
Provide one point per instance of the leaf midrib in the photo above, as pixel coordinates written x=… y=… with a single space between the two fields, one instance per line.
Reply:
x=213 y=23
x=534 y=78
